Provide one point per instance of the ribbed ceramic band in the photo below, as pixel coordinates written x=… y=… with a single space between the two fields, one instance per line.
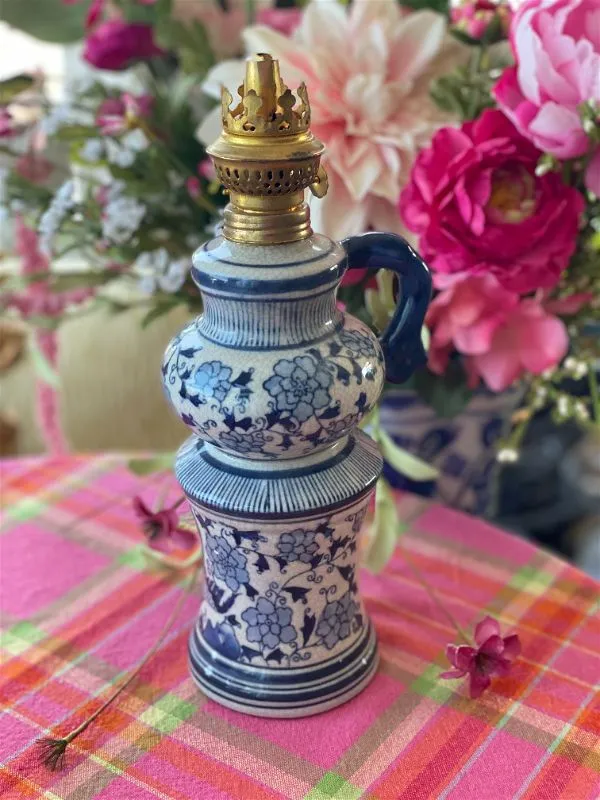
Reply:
x=275 y=494
x=262 y=325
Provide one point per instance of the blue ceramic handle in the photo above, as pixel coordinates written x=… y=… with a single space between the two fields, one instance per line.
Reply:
x=401 y=340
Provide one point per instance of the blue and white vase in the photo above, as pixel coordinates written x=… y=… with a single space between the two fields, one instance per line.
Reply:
x=273 y=380
x=463 y=447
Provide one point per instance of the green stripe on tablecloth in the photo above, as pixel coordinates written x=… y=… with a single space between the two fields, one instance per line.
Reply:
x=333 y=787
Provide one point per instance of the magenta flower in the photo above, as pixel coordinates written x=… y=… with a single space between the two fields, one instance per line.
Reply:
x=492 y=657
x=117 y=115
x=7 y=126
x=162 y=527
x=116 y=44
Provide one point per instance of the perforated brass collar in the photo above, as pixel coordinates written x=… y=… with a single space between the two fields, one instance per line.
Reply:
x=266 y=157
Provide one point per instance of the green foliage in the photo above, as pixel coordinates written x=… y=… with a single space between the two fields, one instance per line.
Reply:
x=386 y=528
x=191 y=43
x=11 y=87
x=48 y=20
x=147 y=466
x=447 y=394
x=434 y=5
x=42 y=367
x=403 y=461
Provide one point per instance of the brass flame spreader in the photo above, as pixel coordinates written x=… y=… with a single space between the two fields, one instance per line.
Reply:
x=266 y=157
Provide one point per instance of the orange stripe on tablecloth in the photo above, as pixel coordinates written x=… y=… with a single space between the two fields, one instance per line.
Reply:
x=584 y=785
x=391 y=748
x=552 y=780
x=193 y=762
x=15 y=787
x=91 y=627
x=452 y=733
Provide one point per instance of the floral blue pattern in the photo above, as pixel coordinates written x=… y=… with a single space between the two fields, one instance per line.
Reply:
x=336 y=620
x=251 y=442
x=358 y=343
x=275 y=598
x=300 y=386
x=269 y=624
x=298 y=545
x=302 y=405
x=212 y=378
x=226 y=563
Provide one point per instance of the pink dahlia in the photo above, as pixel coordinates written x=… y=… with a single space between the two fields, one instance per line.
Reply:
x=479 y=208
x=368 y=70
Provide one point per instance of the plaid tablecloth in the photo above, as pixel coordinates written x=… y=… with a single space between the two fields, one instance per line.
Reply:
x=81 y=604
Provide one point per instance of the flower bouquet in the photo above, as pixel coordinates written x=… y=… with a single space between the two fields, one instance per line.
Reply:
x=473 y=130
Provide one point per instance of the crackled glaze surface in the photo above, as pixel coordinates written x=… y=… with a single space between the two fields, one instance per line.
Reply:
x=267 y=371
x=273 y=380
x=284 y=593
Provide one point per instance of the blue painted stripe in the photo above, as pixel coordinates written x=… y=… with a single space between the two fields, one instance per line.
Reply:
x=260 y=702
x=248 y=286
x=262 y=687
x=279 y=474
x=279 y=676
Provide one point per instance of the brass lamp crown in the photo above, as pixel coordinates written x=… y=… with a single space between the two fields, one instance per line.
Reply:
x=266 y=156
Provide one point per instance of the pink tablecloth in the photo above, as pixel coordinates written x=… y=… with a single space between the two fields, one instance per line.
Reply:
x=81 y=604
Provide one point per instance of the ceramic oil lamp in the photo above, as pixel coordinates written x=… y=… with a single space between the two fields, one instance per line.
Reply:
x=273 y=380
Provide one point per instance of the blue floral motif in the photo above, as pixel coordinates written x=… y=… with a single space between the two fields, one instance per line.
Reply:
x=222 y=638
x=227 y=564
x=269 y=625
x=358 y=343
x=251 y=442
x=336 y=620
x=300 y=386
x=212 y=378
x=298 y=545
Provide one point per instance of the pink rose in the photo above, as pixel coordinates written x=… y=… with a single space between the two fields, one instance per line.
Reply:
x=501 y=335
x=465 y=316
x=115 y=44
x=116 y=115
x=478 y=17
x=7 y=125
x=529 y=340
x=282 y=20
x=479 y=208
x=556 y=45
x=34 y=167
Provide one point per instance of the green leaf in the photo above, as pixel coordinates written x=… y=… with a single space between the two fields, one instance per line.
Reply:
x=42 y=367
x=158 y=311
x=403 y=461
x=385 y=530
x=146 y=466
x=62 y=282
x=69 y=133
x=190 y=42
x=48 y=20
x=11 y=87
x=447 y=394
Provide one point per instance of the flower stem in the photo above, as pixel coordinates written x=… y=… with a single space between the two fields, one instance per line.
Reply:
x=594 y=392
x=176 y=162
x=54 y=749
x=433 y=594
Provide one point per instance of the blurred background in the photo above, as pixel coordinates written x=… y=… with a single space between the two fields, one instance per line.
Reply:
x=105 y=191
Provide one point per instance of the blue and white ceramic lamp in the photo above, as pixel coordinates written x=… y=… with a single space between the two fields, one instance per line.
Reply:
x=273 y=380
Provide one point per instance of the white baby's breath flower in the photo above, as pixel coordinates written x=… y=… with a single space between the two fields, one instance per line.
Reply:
x=507 y=455
x=53 y=216
x=121 y=218
x=158 y=271
x=93 y=150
